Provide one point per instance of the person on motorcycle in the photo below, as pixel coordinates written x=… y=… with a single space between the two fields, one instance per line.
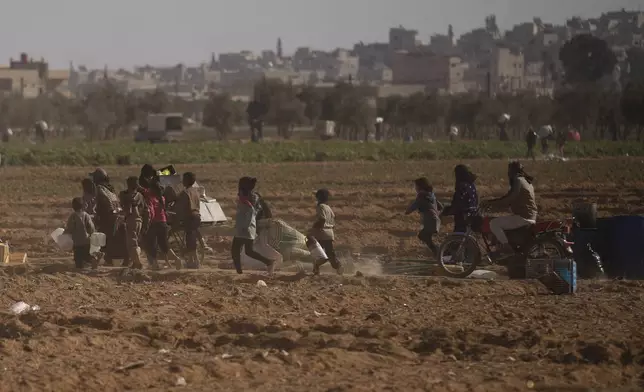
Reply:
x=521 y=201
x=465 y=200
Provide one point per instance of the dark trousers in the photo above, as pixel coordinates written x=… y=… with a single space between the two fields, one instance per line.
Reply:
x=531 y=153
x=191 y=227
x=427 y=237
x=81 y=256
x=157 y=237
x=247 y=244
x=329 y=249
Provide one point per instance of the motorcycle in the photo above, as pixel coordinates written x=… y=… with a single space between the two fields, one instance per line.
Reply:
x=461 y=253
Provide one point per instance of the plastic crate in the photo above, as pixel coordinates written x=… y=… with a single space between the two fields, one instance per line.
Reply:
x=558 y=275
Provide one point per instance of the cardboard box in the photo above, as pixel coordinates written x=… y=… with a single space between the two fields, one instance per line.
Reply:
x=17 y=258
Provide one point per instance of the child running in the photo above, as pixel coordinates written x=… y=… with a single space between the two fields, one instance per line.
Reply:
x=322 y=231
x=429 y=209
x=80 y=227
x=246 y=227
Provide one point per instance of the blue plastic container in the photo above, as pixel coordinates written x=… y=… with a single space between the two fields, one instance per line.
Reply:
x=559 y=276
x=627 y=247
x=567 y=271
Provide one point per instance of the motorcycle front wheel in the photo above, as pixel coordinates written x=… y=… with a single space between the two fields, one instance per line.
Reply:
x=459 y=255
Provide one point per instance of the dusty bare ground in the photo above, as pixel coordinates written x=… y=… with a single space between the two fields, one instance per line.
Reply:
x=117 y=330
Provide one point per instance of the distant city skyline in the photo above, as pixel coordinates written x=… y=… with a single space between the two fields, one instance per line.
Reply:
x=122 y=34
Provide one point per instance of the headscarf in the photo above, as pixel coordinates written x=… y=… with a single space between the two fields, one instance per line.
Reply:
x=100 y=177
x=247 y=185
x=462 y=173
x=516 y=169
x=245 y=191
x=147 y=173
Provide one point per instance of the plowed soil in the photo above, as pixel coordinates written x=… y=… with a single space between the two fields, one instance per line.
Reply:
x=117 y=329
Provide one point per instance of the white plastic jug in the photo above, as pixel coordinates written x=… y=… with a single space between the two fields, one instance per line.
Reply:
x=316 y=251
x=97 y=239
x=64 y=241
x=264 y=250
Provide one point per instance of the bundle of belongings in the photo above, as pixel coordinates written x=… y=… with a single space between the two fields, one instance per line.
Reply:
x=279 y=241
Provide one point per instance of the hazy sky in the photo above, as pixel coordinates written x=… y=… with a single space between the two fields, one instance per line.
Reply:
x=122 y=33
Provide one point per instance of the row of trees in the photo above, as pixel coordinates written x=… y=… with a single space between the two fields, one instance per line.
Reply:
x=583 y=102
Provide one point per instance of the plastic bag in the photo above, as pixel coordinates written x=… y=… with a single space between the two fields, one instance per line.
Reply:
x=590 y=265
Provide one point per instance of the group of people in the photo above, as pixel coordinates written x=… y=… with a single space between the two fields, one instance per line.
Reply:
x=253 y=211
x=520 y=199
x=135 y=219
x=138 y=219
x=545 y=134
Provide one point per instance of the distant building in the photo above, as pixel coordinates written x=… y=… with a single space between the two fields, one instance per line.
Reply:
x=437 y=72
x=402 y=39
x=25 y=77
x=502 y=71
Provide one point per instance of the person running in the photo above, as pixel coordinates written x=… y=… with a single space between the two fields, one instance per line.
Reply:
x=156 y=237
x=187 y=209
x=246 y=227
x=133 y=205
x=323 y=232
x=429 y=209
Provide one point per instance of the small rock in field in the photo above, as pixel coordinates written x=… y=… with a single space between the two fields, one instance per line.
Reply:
x=181 y=382
x=374 y=317
x=261 y=283
x=226 y=356
x=359 y=274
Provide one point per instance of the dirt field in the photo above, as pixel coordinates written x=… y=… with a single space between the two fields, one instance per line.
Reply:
x=117 y=330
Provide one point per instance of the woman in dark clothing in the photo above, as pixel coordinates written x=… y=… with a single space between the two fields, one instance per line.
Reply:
x=429 y=209
x=107 y=209
x=465 y=201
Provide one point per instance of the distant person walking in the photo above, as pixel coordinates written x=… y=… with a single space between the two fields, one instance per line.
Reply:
x=545 y=133
x=255 y=112
x=531 y=142
x=561 y=142
x=41 y=129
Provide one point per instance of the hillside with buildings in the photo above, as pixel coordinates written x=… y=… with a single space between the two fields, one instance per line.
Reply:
x=524 y=58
